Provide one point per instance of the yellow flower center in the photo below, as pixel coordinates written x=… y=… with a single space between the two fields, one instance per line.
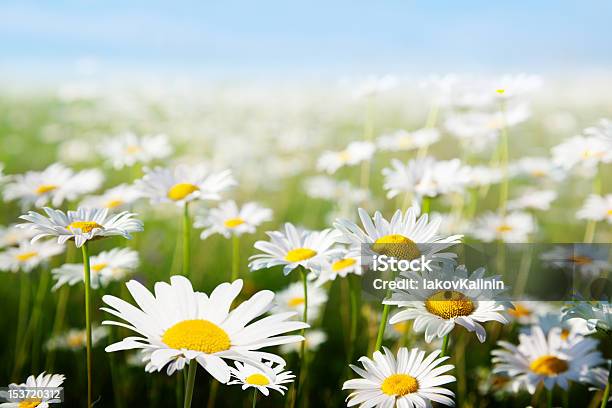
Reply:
x=233 y=222
x=99 y=267
x=519 y=311
x=581 y=260
x=181 y=190
x=257 y=379
x=84 y=226
x=342 y=264
x=199 y=335
x=610 y=212
x=449 y=304
x=564 y=334
x=504 y=228
x=24 y=256
x=296 y=301
x=29 y=403
x=299 y=254
x=75 y=340
x=133 y=149
x=401 y=327
x=113 y=203
x=500 y=91
x=538 y=173
x=549 y=366
x=396 y=246
x=45 y=188
x=399 y=385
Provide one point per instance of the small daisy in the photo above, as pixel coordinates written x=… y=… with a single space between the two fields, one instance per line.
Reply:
x=42 y=381
x=291 y=299
x=106 y=267
x=116 y=198
x=56 y=184
x=340 y=265
x=183 y=184
x=436 y=311
x=527 y=312
x=327 y=188
x=585 y=152
x=404 y=236
x=229 y=220
x=28 y=255
x=313 y=340
x=588 y=259
x=81 y=225
x=409 y=380
x=545 y=359
x=514 y=227
x=355 y=153
x=478 y=176
x=13 y=235
x=176 y=325
x=292 y=248
x=76 y=339
x=597 y=208
x=262 y=380
x=598 y=315
x=537 y=168
x=572 y=330
x=401 y=140
x=127 y=149
x=533 y=199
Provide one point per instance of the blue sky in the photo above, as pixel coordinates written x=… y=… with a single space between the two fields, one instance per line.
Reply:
x=269 y=38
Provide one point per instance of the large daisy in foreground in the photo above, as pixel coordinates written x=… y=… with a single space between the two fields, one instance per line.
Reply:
x=408 y=381
x=176 y=325
x=81 y=225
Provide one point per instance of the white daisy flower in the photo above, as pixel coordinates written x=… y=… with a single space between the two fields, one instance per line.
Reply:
x=291 y=299
x=437 y=311
x=56 y=184
x=405 y=236
x=106 y=267
x=41 y=381
x=355 y=153
x=13 y=235
x=327 y=188
x=599 y=377
x=597 y=208
x=586 y=258
x=176 y=325
x=533 y=199
x=127 y=149
x=313 y=340
x=409 y=380
x=76 y=339
x=402 y=140
x=425 y=177
x=572 y=330
x=478 y=176
x=340 y=265
x=184 y=184
x=511 y=228
x=527 y=312
x=292 y=248
x=28 y=255
x=598 y=315
x=583 y=151
x=81 y=225
x=452 y=223
x=537 y=168
x=229 y=220
x=545 y=359
x=263 y=381
x=119 y=197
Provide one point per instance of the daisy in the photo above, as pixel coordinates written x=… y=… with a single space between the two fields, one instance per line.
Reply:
x=409 y=380
x=106 y=267
x=119 y=197
x=527 y=312
x=478 y=176
x=585 y=152
x=263 y=381
x=355 y=153
x=533 y=199
x=588 y=259
x=401 y=140
x=436 y=311
x=597 y=208
x=600 y=378
x=340 y=265
x=537 y=168
x=313 y=340
x=28 y=255
x=405 y=236
x=127 y=149
x=13 y=235
x=572 y=330
x=292 y=248
x=291 y=299
x=598 y=315
x=177 y=325
x=183 y=184
x=42 y=381
x=229 y=220
x=510 y=228
x=56 y=184
x=81 y=225
x=327 y=188
x=75 y=339
x=545 y=359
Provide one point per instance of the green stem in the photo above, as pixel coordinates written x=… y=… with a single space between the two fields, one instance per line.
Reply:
x=425 y=205
x=212 y=396
x=186 y=241
x=254 y=397
x=549 y=398
x=24 y=300
x=190 y=383
x=87 y=279
x=354 y=299
x=235 y=257
x=303 y=349
x=58 y=322
x=34 y=328
x=606 y=393
x=382 y=327
x=445 y=345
